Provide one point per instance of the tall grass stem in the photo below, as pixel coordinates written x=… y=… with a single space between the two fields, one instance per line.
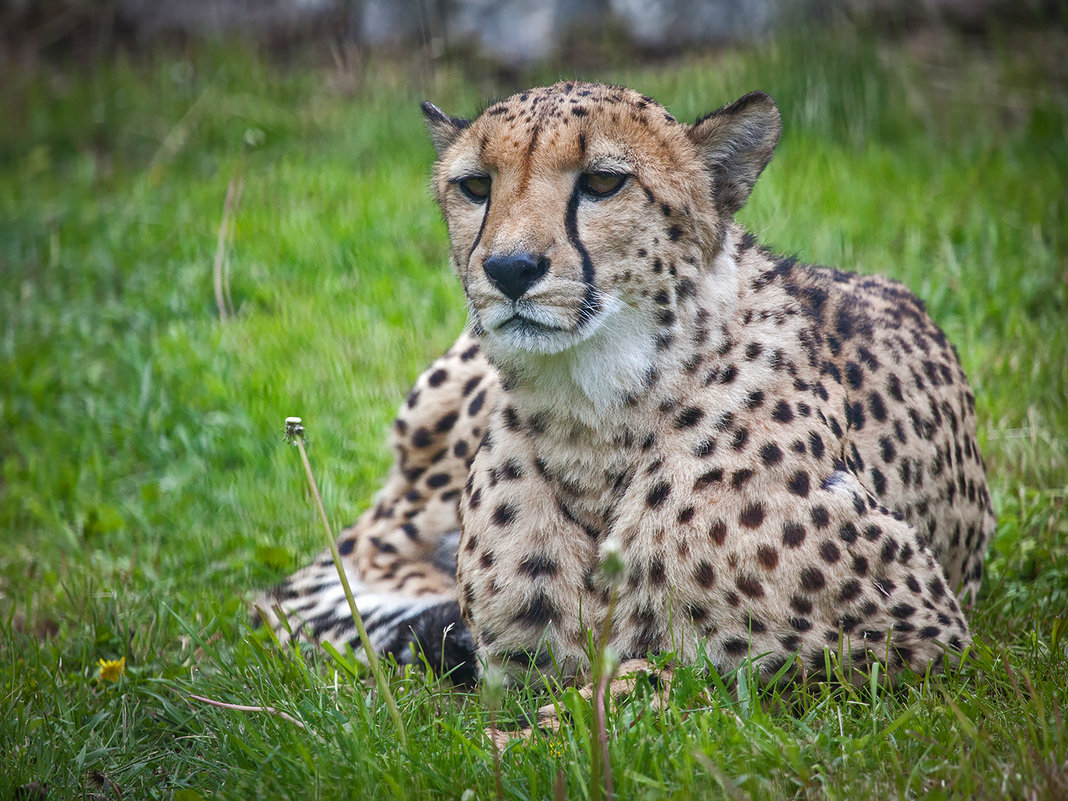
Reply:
x=295 y=431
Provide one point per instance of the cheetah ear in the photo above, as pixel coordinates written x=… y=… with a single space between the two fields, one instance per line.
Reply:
x=443 y=128
x=737 y=142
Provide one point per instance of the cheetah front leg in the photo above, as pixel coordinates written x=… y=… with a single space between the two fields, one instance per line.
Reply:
x=771 y=577
x=527 y=570
x=774 y=579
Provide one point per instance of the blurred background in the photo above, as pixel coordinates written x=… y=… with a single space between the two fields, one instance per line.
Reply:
x=507 y=33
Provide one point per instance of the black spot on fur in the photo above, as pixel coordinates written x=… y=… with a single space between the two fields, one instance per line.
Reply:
x=752 y=515
x=793 y=534
x=820 y=517
x=658 y=494
x=854 y=375
x=767 y=556
x=475 y=406
x=704 y=574
x=799 y=484
x=849 y=591
x=537 y=565
x=437 y=480
x=504 y=514
x=538 y=611
x=736 y=647
x=771 y=454
x=740 y=477
x=707 y=479
x=749 y=586
x=783 y=413
x=718 y=532
x=812 y=579
x=421 y=438
x=829 y=552
x=471 y=384
x=689 y=417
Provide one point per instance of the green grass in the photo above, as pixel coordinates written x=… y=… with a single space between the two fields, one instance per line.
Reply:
x=146 y=493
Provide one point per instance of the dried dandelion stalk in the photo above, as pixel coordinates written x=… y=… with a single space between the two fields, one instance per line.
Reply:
x=295 y=434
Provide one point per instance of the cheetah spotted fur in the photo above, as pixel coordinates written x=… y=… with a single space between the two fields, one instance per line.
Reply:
x=783 y=456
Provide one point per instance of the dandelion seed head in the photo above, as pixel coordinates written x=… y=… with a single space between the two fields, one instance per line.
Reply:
x=492 y=685
x=294 y=429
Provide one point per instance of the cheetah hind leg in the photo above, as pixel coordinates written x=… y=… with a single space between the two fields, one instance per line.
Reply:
x=400 y=556
x=311 y=605
x=551 y=717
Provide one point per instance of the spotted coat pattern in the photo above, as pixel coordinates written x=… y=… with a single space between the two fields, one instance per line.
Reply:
x=783 y=456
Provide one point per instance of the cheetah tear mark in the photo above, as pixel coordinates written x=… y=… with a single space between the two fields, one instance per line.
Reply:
x=590 y=304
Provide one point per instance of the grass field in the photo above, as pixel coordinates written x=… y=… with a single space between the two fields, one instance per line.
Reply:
x=146 y=494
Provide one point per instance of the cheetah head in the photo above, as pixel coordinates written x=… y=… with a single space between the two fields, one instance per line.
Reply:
x=577 y=209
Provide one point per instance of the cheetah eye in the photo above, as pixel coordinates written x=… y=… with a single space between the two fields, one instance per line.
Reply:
x=602 y=184
x=476 y=188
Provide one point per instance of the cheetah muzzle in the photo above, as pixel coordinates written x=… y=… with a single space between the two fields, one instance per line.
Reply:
x=782 y=455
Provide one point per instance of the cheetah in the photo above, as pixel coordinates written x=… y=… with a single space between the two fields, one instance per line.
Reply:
x=782 y=457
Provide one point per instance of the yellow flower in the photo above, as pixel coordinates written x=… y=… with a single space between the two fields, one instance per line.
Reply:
x=557 y=749
x=112 y=669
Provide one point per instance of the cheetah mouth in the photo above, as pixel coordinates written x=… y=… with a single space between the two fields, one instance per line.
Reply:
x=517 y=332
x=518 y=324
x=531 y=327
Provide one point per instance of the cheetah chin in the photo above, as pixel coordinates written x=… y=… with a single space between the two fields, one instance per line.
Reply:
x=590 y=370
x=781 y=457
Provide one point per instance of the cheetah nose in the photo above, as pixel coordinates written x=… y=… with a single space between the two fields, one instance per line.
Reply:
x=515 y=274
